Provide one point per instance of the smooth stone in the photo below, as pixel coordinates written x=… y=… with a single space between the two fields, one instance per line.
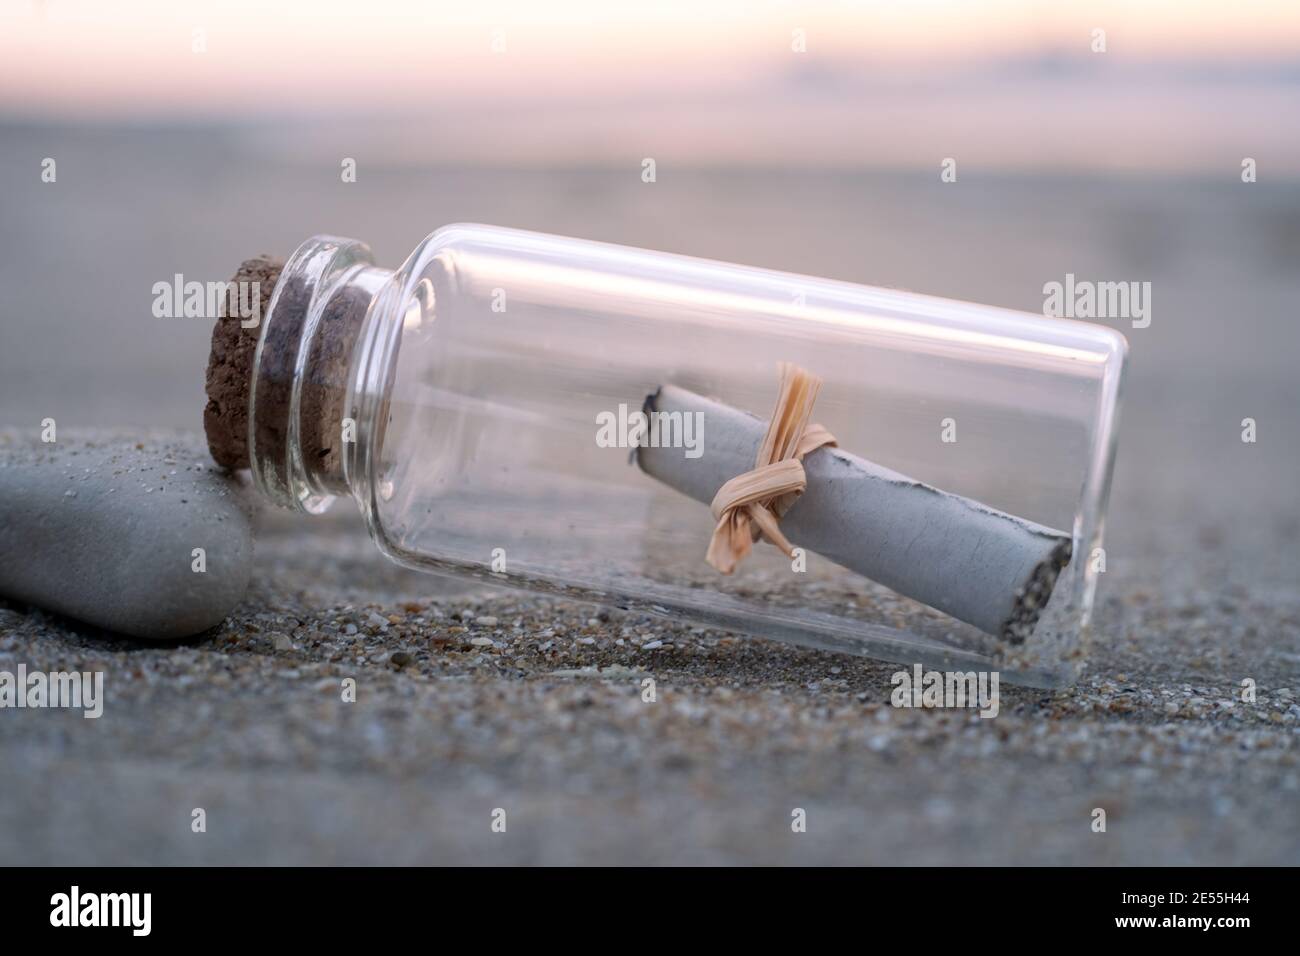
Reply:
x=105 y=532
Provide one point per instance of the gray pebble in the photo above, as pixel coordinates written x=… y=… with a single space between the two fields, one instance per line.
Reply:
x=119 y=553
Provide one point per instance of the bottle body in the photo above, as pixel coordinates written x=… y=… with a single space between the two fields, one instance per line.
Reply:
x=496 y=401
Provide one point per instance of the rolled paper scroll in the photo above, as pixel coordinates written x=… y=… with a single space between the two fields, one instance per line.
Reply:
x=990 y=569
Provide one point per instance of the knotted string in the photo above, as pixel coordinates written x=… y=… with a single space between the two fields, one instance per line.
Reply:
x=749 y=506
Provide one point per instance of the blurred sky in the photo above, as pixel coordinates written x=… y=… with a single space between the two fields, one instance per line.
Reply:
x=1184 y=85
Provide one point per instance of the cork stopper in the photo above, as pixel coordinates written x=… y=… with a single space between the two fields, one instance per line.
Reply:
x=289 y=402
x=230 y=364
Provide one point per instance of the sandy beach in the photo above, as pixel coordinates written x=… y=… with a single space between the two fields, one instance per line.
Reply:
x=545 y=719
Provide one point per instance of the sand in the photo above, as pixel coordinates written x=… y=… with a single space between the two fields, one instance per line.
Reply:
x=1200 y=592
x=471 y=700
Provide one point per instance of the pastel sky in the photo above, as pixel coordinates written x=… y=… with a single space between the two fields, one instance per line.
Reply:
x=876 y=80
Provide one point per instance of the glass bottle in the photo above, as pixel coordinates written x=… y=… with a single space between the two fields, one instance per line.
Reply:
x=479 y=404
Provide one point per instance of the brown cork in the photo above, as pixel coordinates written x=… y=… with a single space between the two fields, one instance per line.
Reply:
x=325 y=382
x=324 y=373
x=230 y=365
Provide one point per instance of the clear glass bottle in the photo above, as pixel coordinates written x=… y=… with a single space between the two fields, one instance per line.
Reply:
x=459 y=399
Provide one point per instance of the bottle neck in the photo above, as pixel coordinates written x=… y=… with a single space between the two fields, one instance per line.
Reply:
x=316 y=398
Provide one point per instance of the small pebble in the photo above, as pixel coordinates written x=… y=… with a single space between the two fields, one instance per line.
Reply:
x=105 y=555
